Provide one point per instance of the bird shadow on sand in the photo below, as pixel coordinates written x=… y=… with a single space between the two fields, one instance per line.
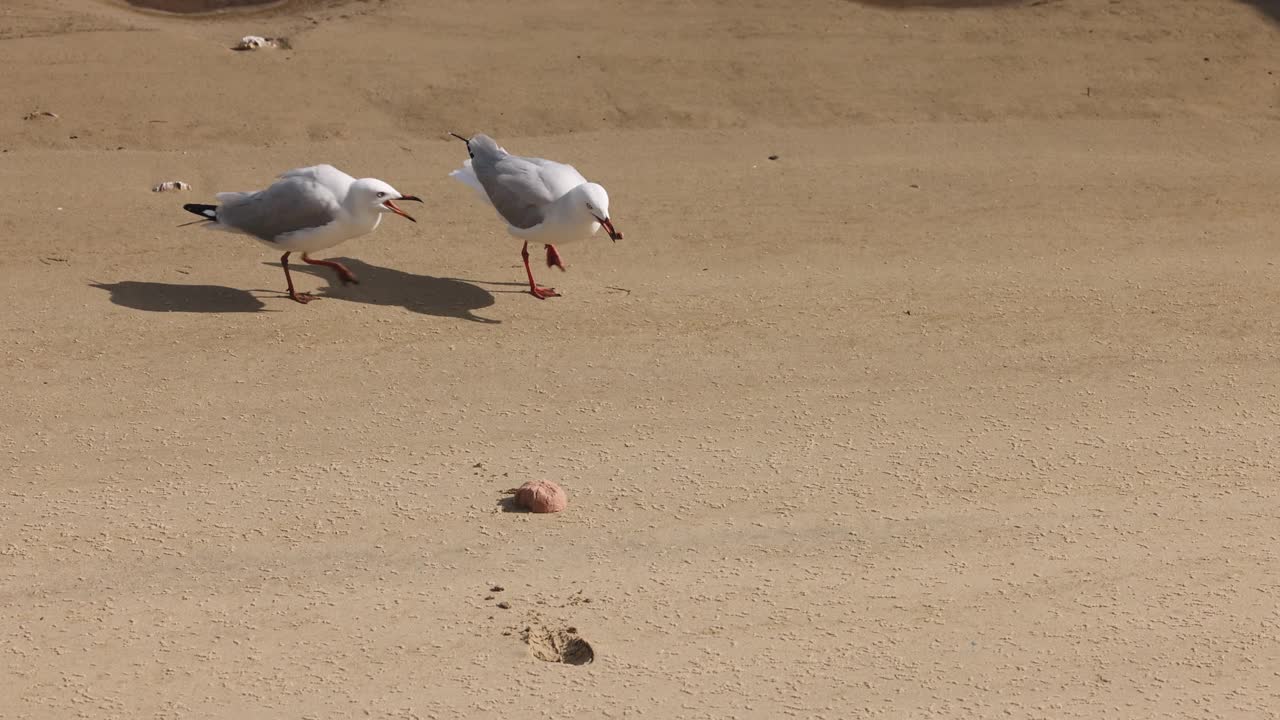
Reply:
x=442 y=297
x=170 y=297
x=517 y=288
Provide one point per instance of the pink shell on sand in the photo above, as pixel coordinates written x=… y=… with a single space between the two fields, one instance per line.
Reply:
x=541 y=496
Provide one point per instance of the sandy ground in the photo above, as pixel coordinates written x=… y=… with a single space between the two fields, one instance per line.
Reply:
x=963 y=407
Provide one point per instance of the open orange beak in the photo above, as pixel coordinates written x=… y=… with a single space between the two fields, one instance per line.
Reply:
x=391 y=205
x=614 y=235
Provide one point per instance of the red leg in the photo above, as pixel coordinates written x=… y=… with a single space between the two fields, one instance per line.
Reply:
x=344 y=274
x=296 y=296
x=539 y=292
x=553 y=258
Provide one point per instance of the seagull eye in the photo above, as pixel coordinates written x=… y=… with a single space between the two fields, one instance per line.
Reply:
x=382 y=194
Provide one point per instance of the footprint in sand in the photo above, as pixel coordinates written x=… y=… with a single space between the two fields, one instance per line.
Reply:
x=558 y=645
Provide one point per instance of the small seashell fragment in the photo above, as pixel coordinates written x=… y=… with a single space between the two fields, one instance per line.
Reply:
x=256 y=42
x=170 y=185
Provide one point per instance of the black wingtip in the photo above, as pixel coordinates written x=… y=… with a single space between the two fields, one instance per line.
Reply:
x=208 y=212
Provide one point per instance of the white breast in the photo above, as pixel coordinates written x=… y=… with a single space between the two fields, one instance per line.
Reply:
x=327 y=236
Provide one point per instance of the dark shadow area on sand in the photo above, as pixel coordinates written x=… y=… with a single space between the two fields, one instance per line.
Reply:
x=200 y=6
x=508 y=504
x=1270 y=8
x=945 y=4
x=216 y=8
x=170 y=297
x=442 y=297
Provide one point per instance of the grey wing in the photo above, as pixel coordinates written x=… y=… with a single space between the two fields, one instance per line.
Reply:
x=514 y=184
x=559 y=178
x=327 y=175
x=291 y=204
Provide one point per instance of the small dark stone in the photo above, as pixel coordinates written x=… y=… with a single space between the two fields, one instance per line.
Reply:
x=504 y=605
x=496 y=588
x=915 y=186
x=773 y=157
x=488 y=597
x=906 y=312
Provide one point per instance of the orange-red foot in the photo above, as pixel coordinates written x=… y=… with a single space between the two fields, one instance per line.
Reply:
x=345 y=275
x=303 y=298
x=553 y=258
x=542 y=293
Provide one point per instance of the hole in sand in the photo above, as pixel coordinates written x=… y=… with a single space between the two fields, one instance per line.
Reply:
x=200 y=6
x=952 y=4
x=556 y=645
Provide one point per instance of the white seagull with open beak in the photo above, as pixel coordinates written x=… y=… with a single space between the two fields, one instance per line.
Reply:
x=306 y=210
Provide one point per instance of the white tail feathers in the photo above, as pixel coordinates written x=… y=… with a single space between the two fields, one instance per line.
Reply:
x=467 y=176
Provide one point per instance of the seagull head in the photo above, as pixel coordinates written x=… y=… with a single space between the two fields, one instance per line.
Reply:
x=373 y=194
x=596 y=202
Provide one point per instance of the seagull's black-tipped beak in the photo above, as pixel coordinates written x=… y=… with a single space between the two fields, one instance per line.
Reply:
x=391 y=205
x=468 y=142
x=614 y=235
x=414 y=198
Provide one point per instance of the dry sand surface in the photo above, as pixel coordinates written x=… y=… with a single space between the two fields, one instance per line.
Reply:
x=962 y=407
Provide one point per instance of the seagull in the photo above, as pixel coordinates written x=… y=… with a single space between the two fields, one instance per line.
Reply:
x=305 y=210
x=541 y=200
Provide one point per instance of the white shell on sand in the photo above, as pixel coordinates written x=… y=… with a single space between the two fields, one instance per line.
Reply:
x=257 y=42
